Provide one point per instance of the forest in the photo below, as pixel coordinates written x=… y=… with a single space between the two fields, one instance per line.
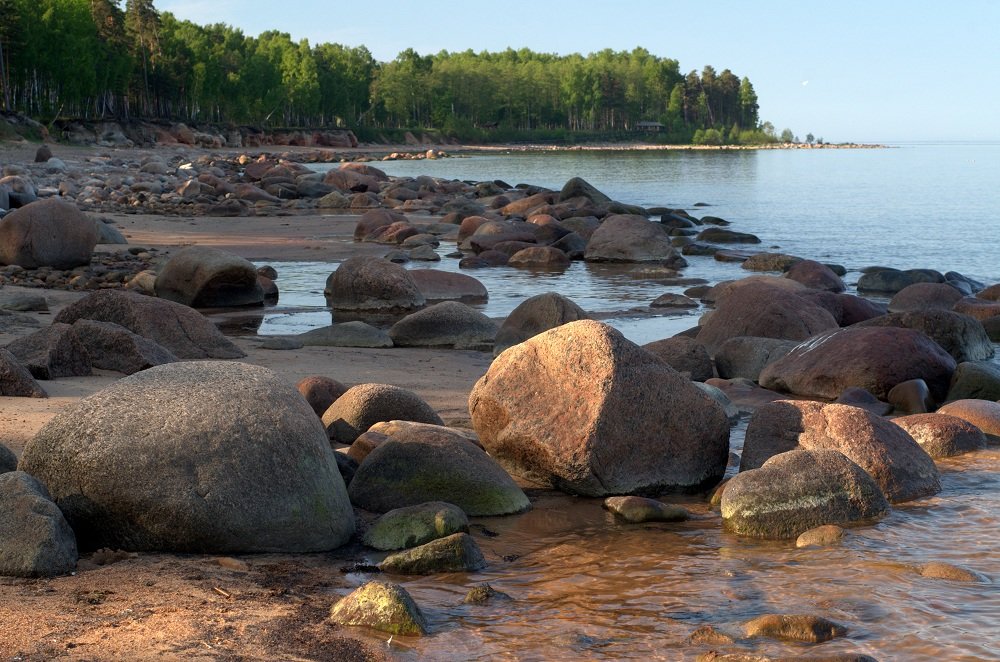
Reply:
x=93 y=59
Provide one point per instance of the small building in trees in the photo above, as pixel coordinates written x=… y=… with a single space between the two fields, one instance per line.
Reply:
x=651 y=127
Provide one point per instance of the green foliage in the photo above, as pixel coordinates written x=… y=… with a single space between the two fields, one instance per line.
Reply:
x=94 y=58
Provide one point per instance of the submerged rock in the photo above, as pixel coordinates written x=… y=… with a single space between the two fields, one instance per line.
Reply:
x=455 y=553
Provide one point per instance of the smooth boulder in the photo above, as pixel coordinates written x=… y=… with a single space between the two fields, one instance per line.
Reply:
x=372 y=284
x=630 y=238
x=381 y=606
x=364 y=405
x=415 y=525
x=799 y=490
x=535 y=315
x=960 y=335
x=47 y=233
x=873 y=358
x=941 y=435
x=205 y=277
x=455 y=553
x=582 y=409
x=182 y=330
x=447 y=324
x=234 y=461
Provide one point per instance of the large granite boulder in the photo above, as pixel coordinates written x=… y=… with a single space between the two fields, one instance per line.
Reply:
x=345 y=334
x=231 y=460
x=447 y=324
x=630 y=238
x=984 y=414
x=583 y=409
x=873 y=358
x=891 y=457
x=941 y=435
x=372 y=284
x=205 y=277
x=15 y=380
x=975 y=380
x=489 y=234
x=52 y=352
x=35 y=539
x=847 y=309
x=799 y=490
x=47 y=233
x=364 y=405
x=578 y=187
x=182 y=330
x=921 y=296
x=960 y=335
x=111 y=346
x=815 y=276
x=419 y=463
x=535 y=315
x=765 y=310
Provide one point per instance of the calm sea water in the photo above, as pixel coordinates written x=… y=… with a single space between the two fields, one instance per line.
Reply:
x=586 y=587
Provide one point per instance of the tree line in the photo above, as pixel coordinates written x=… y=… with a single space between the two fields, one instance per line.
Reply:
x=98 y=59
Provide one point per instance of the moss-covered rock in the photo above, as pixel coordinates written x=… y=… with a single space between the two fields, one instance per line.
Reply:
x=383 y=606
x=455 y=553
x=415 y=525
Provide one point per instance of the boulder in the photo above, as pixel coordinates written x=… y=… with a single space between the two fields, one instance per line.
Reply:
x=770 y=262
x=111 y=346
x=891 y=457
x=582 y=409
x=535 y=315
x=415 y=525
x=745 y=356
x=873 y=358
x=35 y=539
x=718 y=235
x=799 y=490
x=446 y=324
x=15 y=380
x=437 y=285
x=911 y=397
x=941 y=435
x=975 y=381
x=320 y=392
x=381 y=606
x=636 y=509
x=763 y=310
x=578 y=187
x=364 y=405
x=960 y=335
x=804 y=628
x=417 y=464
x=51 y=353
x=815 y=276
x=240 y=461
x=489 y=234
x=180 y=329
x=685 y=355
x=539 y=257
x=372 y=284
x=921 y=296
x=984 y=414
x=47 y=233
x=882 y=280
x=821 y=536
x=630 y=238
x=205 y=277
x=346 y=334
x=455 y=553
x=373 y=219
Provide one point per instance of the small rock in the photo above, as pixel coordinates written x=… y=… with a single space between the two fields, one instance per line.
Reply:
x=484 y=593
x=415 y=525
x=455 y=553
x=821 y=536
x=382 y=606
x=640 y=509
x=939 y=570
x=794 y=627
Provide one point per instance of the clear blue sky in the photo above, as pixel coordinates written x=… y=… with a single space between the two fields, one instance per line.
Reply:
x=875 y=70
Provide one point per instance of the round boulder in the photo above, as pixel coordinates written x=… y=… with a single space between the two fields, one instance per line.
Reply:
x=446 y=324
x=416 y=525
x=873 y=358
x=815 y=276
x=446 y=286
x=235 y=461
x=685 y=355
x=921 y=296
x=583 y=409
x=800 y=490
x=205 y=277
x=984 y=414
x=941 y=435
x=960 y=335
x=320 y=392
x=535 y=315
x=47 y=233
x=630 y=238
x=372 y=284
x=364 y=405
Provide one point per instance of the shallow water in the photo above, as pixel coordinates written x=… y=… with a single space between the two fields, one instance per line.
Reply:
x=587 y=587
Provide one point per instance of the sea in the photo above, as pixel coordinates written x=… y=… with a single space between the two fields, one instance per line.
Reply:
x=586 y=587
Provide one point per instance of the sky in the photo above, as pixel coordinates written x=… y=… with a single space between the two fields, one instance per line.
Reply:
x=860 y=71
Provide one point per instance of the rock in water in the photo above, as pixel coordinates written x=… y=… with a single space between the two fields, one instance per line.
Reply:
x=416 y=525
x=535 y=315
x=455 y=553
x=204 y=277
x=47 y=233
x=382 y=606
x=35 y=540
x=800 y=490
x=584 y=410
x=231 y=460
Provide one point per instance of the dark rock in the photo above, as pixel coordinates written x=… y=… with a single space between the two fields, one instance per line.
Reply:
x=746 y=356
x=111 y=346
x=455 y=553
x=446 y=324
x=535 y=315
x=685 y=355
x=975 y=381
x=204 y=277
x=381 y=606
x=35 y=540
x=719 y=235
x=47 y=233
x=638 y=509
x=364 y=405
x=372 y=284
x=815 y=276
x=415 y=525
x=15 y=380
x=858 y=397
x=921 y=296
x=446 y=286
x=960 y=335
x=346 y=334
x=320 y=392
x=629 y=238
x=911 y=397
x=182 y=330
x=52 y=352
